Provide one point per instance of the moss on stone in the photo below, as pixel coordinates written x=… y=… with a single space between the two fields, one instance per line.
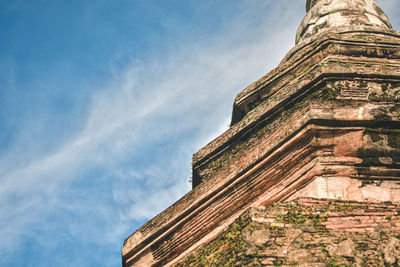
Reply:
x=228 y=249
x=375 y=137
x=394 y=140
x=292 y=234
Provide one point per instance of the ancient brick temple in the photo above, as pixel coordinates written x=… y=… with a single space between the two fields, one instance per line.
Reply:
x=308 y=174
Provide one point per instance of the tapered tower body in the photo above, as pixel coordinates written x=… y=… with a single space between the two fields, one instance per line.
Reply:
x=310 y=165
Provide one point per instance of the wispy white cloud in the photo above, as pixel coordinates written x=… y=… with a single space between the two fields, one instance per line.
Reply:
x=183 y=98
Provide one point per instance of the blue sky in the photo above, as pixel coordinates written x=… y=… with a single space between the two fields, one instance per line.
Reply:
x=103 y=103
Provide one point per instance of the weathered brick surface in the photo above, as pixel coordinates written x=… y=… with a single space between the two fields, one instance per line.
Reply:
x=307 y=232
x=324 y=15
x=324 y=124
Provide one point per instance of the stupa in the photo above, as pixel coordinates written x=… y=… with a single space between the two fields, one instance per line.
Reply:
x=314 y=143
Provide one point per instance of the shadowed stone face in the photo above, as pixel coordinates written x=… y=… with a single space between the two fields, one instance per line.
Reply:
x=323 y=15
x=310 y=4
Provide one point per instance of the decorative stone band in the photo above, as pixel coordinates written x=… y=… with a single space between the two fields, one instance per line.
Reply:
x=335 y=55
x=309 y=52
x=325 y=15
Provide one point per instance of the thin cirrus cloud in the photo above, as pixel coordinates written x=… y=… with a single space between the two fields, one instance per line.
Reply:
x=131 y=156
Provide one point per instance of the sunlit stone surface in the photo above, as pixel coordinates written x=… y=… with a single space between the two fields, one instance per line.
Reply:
x=314 y=145
x=325 y=15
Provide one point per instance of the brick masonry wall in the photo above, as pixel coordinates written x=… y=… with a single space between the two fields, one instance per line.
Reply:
x=324 y=124
x=307 y=232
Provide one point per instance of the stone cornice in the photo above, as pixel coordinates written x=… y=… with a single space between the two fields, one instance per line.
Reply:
x=329 y=59
x=302 y=56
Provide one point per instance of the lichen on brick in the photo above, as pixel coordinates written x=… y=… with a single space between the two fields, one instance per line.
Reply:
x=306 y=232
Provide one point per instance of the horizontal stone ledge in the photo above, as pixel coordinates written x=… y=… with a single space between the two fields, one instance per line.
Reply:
x=190 y=209
x=268 y=109
x=317 y=47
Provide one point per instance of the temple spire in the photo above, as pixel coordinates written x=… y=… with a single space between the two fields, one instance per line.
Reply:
x=328 y=15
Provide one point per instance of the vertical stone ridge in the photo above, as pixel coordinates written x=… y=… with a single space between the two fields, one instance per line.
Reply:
x=310 y=4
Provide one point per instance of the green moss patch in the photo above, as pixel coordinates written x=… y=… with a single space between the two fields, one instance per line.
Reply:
x=394 y=140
